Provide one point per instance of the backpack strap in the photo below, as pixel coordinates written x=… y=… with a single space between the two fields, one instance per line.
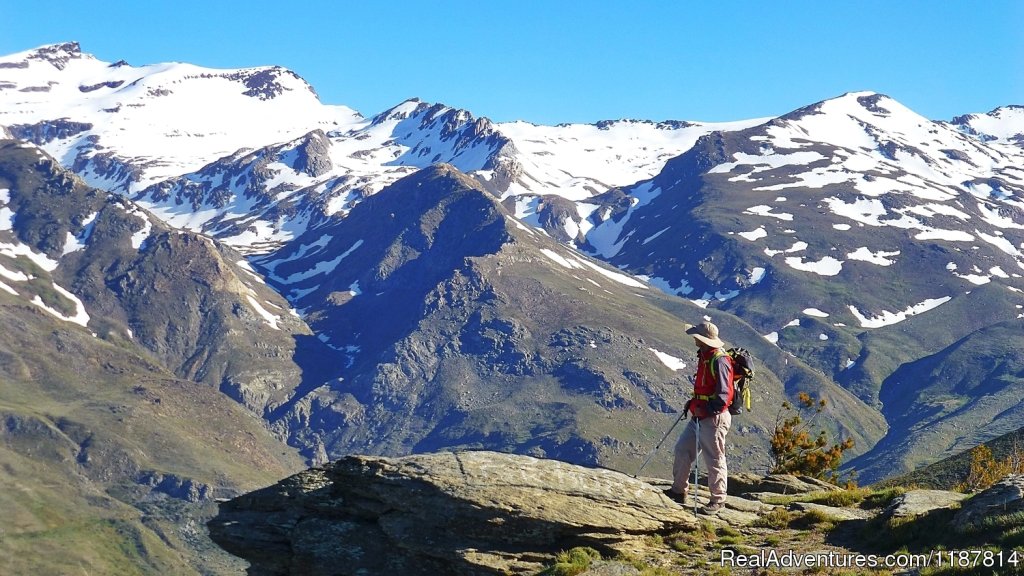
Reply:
x=713 y=361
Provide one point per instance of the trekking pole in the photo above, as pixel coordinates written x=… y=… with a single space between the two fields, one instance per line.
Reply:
x=696 y=466
x=653 y=452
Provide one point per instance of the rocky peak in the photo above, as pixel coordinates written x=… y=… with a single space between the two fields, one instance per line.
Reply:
x=269 y=82
x=872 y=102
x=57 y=54
x=408 y=108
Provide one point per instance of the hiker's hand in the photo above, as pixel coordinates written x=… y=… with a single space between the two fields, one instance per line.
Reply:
x=686 y=407
x=716 y=405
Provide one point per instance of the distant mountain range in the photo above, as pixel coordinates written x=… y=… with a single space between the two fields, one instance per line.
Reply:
x=425 y=279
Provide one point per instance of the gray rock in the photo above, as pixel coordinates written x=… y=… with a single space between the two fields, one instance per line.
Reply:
x=1004 y=498
x=444 y=513
x=839 y=514
x=740 y=484
x=313 y=154
x=921 y=502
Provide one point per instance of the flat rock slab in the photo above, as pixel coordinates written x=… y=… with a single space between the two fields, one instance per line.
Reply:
x=444 y=513
x=920 y=502
x=840 y=514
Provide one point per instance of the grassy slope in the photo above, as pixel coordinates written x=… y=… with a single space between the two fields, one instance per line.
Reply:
x=77 y=434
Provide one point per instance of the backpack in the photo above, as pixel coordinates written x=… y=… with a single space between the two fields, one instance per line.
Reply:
x=742 y=374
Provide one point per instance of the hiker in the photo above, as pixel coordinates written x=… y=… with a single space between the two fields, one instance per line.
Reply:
x=709 y=418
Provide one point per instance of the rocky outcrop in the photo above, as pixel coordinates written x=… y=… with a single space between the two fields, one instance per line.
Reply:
x=47 y=131
x=312 y=155
x=443 y=513
x=775 y=484
x=920 y=502
x=1006 y=497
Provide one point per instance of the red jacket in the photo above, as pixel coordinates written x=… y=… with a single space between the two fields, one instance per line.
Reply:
x=714 y=378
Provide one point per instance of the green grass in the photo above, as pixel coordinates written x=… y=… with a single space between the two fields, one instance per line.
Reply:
x=776 y=518
x=813 y=520
x=572 y=562
x=62 y=516
x=865 y=498
x=89 y=547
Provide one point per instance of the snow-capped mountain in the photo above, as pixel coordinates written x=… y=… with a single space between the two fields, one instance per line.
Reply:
x=1004 y=124
x=226 y=152
x=858 y=161
x=125 y=127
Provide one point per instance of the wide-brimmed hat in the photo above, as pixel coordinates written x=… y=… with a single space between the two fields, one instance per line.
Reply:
x=707 y=333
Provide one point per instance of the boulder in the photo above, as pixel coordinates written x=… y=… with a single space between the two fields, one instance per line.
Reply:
x=445 y=513
x=920 y=502
x=1004 y=498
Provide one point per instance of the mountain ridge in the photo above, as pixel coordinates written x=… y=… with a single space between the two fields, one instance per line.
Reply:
x=777 y=220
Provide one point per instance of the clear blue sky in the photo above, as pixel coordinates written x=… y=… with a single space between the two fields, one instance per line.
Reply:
x=568 y=61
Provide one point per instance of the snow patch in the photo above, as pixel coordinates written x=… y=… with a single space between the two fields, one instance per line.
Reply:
x=668 y=360
x=754 y=235
x=827 y=266
x=615 y=276
x=993 y=217
x=880 y=258
x=815 y=312
x=74 y=243
x=80 y=317
x=889 y=318
x=763 y=210
x=6 y=218
x=656 y=234
x=323 y=267
x=767 y=161
x=666 y=287
x=976 y=279
x=12 y=275
x=269 y=318
x=572 y=263
x=558 y=258
x=15 y=250
x=948 y=235
x=139 y=238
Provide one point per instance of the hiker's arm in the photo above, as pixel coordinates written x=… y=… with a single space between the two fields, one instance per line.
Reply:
x=724 y=371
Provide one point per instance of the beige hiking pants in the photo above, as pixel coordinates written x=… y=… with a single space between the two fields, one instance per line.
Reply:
x=713 y=430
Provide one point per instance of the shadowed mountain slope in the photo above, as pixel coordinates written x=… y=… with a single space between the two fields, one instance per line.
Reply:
x=466 y=329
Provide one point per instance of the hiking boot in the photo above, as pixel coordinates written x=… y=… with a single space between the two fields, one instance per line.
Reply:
x=712 y=508
x=677 y=497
